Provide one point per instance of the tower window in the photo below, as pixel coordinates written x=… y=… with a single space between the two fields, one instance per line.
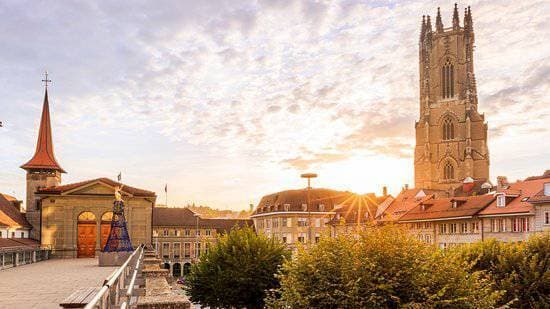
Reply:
x=448 y=129
x=447 y=80
x=448 y=171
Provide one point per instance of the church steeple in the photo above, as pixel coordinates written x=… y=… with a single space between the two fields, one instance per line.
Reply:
x=44 y=158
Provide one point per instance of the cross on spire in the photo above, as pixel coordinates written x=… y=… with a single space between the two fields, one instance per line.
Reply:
x=46 y=80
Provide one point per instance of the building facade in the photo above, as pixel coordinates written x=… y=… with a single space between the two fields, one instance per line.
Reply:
x=451 y=135
x=74 y=219
x=180 y=236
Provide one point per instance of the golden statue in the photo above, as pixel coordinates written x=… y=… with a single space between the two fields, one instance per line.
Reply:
x=118 y=195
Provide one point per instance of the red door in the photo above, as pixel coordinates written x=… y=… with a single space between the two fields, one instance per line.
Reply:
x=86 y=240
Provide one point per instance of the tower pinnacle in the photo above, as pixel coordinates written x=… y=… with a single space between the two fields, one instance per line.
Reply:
x=456 y=22
x=438 y=22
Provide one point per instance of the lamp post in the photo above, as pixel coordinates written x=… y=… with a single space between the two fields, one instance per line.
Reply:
x=308 y=176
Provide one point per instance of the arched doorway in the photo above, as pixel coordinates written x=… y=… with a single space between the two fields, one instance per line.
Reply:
x=87 y=226
x=186 y=269
x=176 y=270
x=106 y=219
x=166 y=265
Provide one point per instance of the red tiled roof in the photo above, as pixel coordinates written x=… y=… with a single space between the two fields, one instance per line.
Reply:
x=18 y=243
x=520 y=204
x=64 y=188
x=296 y=198
x=10 y=215
x=441 y=208
x=402 y=203
x=44 y=157
x=184 y=217
x=539 y=198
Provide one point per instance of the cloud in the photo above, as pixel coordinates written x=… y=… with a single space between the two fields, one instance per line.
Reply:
x=287 y=83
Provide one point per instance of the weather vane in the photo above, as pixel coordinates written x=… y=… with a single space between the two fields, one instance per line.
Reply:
x=46 y=80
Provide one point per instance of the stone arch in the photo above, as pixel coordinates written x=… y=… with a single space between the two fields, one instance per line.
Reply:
x=176 y=270
x=186 y=269
x=86 y=234
x=166 y=265
x=448 y=125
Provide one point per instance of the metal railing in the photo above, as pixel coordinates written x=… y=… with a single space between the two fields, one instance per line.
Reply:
x=118 y=288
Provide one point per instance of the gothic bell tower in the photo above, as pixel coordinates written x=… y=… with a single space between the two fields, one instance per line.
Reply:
x=42 y=170
x=451 y=135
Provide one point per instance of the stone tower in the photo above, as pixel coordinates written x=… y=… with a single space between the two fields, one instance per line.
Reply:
x=42 y=170
x=451 y=135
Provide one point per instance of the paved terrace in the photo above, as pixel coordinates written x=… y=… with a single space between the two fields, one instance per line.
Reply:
x=45 y=284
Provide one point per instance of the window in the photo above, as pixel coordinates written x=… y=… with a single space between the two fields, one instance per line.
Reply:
x=464 y=228
x=447 y=80
x=304 y=207
x=284 y=222
x=448 y=129
x=475 y=227
x=177 y=232
x=546 y=219
x=321 y=207
x=287 y=207
x=448 y=171
x=452 y=228
x=198 y=233
x=198 y=250
x=443 y=229
x=0 y=233
x=176 y=250
x=275 y=222
x=427 y=225
x=208 y=232
x=12 y=234
x=206 y=247
x=501 y=200
x=302 y=238
x=317 y=222
x=317 y=237
x=165 y=250
x=165 y=233
x=498 y=225
x=454 y=204
x=187 y=233
x=302 y=222
x=187 y=250
x=547 y=189
x=428 y=239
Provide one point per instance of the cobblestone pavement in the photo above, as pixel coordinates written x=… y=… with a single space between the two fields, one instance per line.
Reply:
x=45 y=284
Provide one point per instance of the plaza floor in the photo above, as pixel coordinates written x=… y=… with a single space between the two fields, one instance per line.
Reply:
x=45 y=284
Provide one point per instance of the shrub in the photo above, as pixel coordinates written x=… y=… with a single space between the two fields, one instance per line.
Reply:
x=237 y=271
x=382 y=268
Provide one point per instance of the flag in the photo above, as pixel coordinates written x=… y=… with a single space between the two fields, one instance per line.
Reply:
x=119 y=177
x=166 y=188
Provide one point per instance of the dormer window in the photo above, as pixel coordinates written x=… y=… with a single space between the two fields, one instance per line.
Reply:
x=547 y=189
x=287 y=207
x=321 y=207
x=304 y=207
x=454 y=204
x=501 y=200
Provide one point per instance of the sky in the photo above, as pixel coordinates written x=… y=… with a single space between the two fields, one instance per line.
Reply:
x=226 y=101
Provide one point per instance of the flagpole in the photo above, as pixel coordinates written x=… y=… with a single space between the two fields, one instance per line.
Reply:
x=166 y=194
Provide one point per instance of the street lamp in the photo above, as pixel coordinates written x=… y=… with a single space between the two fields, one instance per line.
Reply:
x=308 y=176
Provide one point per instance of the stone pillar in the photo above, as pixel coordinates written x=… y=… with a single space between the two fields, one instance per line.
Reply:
x=16 y=259
x=34 y=256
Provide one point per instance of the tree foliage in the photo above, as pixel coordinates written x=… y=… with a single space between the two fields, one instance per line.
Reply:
x=237 y=271
x=522 y=270
x=382 y=268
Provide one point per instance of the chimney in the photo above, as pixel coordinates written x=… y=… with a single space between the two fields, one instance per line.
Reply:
x=406 y=186
x=502 y=183
x=384 y=191
x=251 y=207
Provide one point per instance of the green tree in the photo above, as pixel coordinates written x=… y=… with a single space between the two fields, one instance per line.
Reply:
x=522 y=270
x=237 y=271
x=382 y=268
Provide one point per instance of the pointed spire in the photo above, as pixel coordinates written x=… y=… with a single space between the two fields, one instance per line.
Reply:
x=44 y=158
x=468 y=23
x=428 y=24
x=423 y=29
x=456 y=22
x=438 y=22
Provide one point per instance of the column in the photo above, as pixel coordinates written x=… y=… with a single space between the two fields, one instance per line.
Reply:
x=16 y=259
x=34 y=256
